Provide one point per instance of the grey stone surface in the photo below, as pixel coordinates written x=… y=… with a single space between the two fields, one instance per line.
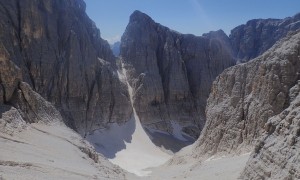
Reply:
x=256 y=36
x=19 y=104
x=171 y=73
x=245 y=96
x=276 y=156
x=63 y=58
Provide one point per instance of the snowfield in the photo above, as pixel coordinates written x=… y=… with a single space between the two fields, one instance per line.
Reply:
x=129 y=147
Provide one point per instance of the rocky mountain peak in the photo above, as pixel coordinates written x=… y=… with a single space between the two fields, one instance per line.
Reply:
x=297 y=16
x=171 y=73
x=139 y=17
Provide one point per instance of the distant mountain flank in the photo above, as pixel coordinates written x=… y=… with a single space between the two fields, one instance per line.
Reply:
x=258 y=35
x=116 y=48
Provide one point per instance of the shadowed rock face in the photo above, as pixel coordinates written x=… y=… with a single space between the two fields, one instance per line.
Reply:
x=171 y=73
x=19 y=104
x=245 y=96
x=62 y=57
x=256 y=36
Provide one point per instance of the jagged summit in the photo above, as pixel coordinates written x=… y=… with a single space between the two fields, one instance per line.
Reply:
x=258 y=35
x=139 y=15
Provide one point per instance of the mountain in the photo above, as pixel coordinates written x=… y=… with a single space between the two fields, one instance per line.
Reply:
x=57 y=73
x=258 y=35
x=244 y=97
x=35 y=143
x=276 y=154
x=171 y=73
x=116 y=48
x=61 y=55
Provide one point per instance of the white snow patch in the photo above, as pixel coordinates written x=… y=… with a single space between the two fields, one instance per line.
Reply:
x=140 y=153
x=153 y=131
x=128 y=145
x=177 y=131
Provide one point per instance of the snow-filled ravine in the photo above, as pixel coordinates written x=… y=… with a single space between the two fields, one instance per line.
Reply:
x=128 y=145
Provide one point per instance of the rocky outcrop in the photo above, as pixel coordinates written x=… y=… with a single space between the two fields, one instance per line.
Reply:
x=245 y=96
x=171 y=73
x=63 y=58
x=256 y=36
x=276 y=155
x=19 y=103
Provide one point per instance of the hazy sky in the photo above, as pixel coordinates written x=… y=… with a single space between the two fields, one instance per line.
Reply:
x=186 y=16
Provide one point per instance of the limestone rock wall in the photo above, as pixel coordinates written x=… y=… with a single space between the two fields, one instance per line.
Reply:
x=19 y=103
x=245 y=96
x=171 y=73
x=276 y=155
x=63 y=58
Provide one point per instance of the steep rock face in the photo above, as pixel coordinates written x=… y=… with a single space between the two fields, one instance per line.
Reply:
x=276 y=156
x=256 y=36
x=32 y=131
x=19 y=103
x=245 y=96
x=171 y=73
x=62 y=56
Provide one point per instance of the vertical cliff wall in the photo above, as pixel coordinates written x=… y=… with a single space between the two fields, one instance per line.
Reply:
x=62 y=57
x=171 y=73
x=245 y=96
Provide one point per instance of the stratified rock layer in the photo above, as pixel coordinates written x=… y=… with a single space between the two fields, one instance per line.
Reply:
x=19 y=104
x=171 y=73
x=258 y=35
x=276 y=156
x=62 y=57
x=245 y=96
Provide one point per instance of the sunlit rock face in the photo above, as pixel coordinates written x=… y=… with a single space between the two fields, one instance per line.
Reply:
x=245 y=96
x=171 y=73
x=276 y=155
x=62 y=57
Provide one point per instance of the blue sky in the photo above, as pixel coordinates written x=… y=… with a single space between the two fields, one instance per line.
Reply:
x=186 y=16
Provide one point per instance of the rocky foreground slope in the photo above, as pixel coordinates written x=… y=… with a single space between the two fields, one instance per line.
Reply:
x=42 y=44
x=242 y=100
x=171 y=73
x=34 y=141
x=62 y=57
